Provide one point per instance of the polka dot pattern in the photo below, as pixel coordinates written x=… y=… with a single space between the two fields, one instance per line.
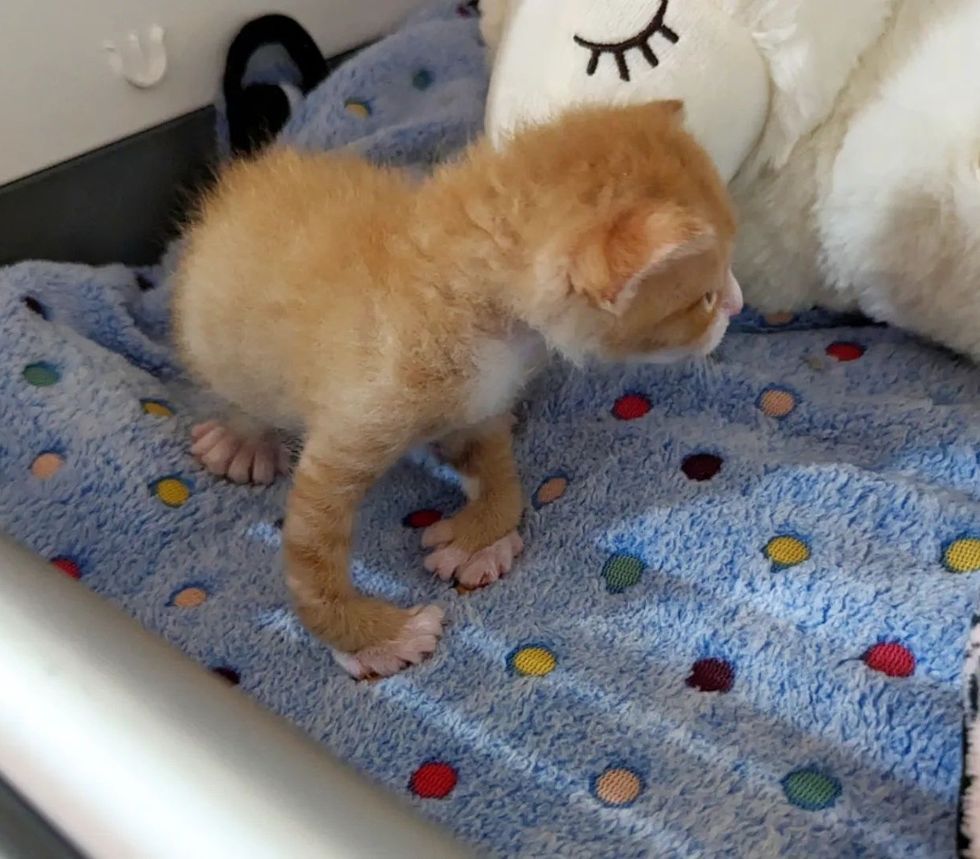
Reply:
x=622 y=572
x=962 y=555
x=787 y=551
x=172 y=491
x=701 y=467
x=69 y=566
x=711 y=675
x=891 y=658
x=777 y=402
x=845 y=351
x=631 y=407
x=228 y=674
x=42 y=374
x=189 y=597
x=618 y=787
x=550 y=490
x=422 y=79
x=778 y=320
x=35 y=306
x=157 y=408
x=532 y=660
x=358 y=107
x=433 y=780
x=811 y=790
x=422 y=518
x=47 y=465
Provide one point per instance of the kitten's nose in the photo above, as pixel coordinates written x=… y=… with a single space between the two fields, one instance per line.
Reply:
x=731 y=298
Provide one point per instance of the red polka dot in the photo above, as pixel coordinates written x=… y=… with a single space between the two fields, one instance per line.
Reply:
x=845 y=351
x=629 y=407
x=890 y=658
x=701 y=466
x=711 y=675
x=433 y=780
x=422 y=518
x=69 y=567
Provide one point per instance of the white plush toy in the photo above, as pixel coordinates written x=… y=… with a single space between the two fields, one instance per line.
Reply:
x=849 y=129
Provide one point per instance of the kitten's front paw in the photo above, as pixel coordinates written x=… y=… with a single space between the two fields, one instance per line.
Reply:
x=225 y=453
x=416 y=640
x=471 y=569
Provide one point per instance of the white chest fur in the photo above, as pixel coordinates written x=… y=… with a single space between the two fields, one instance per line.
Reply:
x=502 y=368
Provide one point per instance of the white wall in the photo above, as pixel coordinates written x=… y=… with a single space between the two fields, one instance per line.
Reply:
x=59 y=96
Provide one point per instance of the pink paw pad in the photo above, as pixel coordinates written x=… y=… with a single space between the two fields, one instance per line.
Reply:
x=471 y=570
x=417 y=640
x=225 y=453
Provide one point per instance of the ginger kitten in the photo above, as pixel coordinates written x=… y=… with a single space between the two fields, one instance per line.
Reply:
x=340 y=301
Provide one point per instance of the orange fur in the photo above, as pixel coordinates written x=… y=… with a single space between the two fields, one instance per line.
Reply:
x=326 y=296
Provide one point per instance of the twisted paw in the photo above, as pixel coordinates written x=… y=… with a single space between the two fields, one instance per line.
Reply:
x=471 y=569
x=416 y=640
x=225 y=453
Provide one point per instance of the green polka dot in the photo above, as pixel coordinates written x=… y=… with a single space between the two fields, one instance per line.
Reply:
x=622 y=571
x=41 y=374
x=811 y=789
x=422 y=79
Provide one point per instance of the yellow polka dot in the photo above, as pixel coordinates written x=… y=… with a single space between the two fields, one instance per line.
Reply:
x=358 y=108
x=963 y=555
x=777 y=402
x=172 y=491
x=787 y=551
x=157 y=408
x=533 y=661
x=190 y=597
x=618 y=786
x=47 y=465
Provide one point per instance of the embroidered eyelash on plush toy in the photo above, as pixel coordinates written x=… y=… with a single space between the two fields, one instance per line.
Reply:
x=641 y=41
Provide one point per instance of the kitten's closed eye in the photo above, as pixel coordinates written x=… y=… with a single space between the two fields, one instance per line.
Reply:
x=641 y=42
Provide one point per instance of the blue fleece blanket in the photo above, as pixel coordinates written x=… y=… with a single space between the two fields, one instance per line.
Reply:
x=738 y=626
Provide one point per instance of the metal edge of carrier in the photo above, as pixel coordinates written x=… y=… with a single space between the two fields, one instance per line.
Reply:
x=130 y=749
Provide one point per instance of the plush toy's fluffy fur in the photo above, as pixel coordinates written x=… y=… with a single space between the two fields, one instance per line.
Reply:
x=339 y=300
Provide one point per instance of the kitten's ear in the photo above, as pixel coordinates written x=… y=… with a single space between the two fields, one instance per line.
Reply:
x=613 y=259
x=674 y=108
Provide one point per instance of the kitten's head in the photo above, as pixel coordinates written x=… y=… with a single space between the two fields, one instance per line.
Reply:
x=630 y=231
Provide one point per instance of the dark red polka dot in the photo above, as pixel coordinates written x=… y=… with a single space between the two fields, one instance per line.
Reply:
x=891 y=658
x=227 y=673
x=433 y=780
x=35 y=306
x=68 y=566
x=701 y=466
x=630 y=407
x=422 y=518
x=845 y=351
x=711 y=675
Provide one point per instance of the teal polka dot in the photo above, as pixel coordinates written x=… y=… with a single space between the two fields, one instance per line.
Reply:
x=811 y=789
x=622 y=571
x=422 y=79
x=41 y=374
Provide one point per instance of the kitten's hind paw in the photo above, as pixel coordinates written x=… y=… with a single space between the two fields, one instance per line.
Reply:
x=226 y=453
x=471 y=569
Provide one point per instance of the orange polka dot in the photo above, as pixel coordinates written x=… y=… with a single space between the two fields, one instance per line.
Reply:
x=781 y=318
x=618 y=786
x=777 y=402
x=47 y=465
x=190 y=597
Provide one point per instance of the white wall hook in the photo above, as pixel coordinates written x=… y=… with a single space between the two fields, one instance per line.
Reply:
x=140 y=57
